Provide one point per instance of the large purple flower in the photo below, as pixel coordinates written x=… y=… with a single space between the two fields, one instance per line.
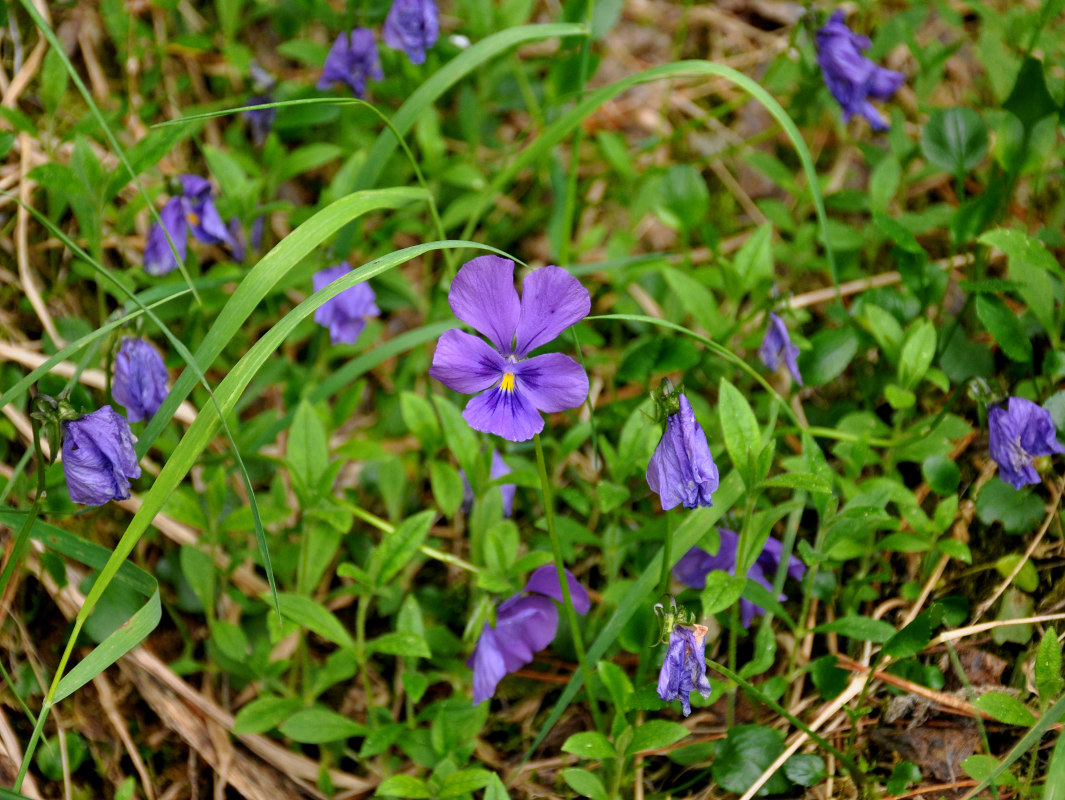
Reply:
x=412 y=26
x=682 y=471
x=684 y=669
x=344 y=315
x=192 y=210
x=777 y=346
x=98 y=457
x=352 y=60
x=139 y=379
x=515 y=389
x=696 y=564
x=525 y=623
x=851 y=77
x=1018 y=435
x=506 y=490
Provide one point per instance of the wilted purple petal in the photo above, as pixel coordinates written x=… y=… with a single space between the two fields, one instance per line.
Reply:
x=98 y=457
x=544 y=580
x=344 y=315
x=505 y=413
x=464 y=363
x=412 y=26
x=483 y=296
x=777 y=346
x=551 y=301
x=139 y=379
x=684 y=668
x=158 y=256
x=1018 y=434
x=552 y=382
x=682 y=470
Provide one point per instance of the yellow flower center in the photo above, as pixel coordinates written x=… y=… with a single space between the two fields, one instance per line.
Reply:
x=507 y=384
x=192 y=218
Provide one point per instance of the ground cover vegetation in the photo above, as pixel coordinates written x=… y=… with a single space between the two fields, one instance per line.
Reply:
x=530 y=399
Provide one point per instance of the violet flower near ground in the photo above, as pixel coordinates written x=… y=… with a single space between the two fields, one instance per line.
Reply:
x=696 y=564
x=98 y=457
x=851 y=77
x=506 y=490
x=515 y=388
x=525 y=624
x=344 y=315
x=1018 y=435
x=777 y=346
x=412 y=26
x=139 y=379
x=260 y=120
x=192 y=210
x=684 y=668
x=682 y=471
x=352 y=60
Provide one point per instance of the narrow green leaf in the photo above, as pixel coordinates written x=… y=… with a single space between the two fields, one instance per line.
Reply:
x=320 y=725
x=1005 y=708
x=313 y=616
x=1004 y=327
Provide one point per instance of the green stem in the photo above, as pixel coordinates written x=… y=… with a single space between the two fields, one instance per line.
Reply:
x=560 y=566
x=667 y=551
x=360 y=653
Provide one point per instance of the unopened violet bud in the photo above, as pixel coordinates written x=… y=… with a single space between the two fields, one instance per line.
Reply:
x=352 y=60
x=98 y=457
x=344 y=315
x=684 y=668
x=682 y=470
x=412 y=26
x=1018 y=434
x=139 y=379
x=777 y=347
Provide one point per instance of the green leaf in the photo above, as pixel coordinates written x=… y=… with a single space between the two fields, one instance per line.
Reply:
x=804 y=481
x=462 y=441
x=420 y=419
x=903 y=775
x=320 y=725
x=805 y=769
x=464 y=782
x=1004 y=327
x=1027 y=579
x=1019 y=511
x=829 y=354
x=447 y=487
x=695 y=298
x=864 y=629
x=405 y=786
x=722 y=591
x=400 y=644
x=1030 y=99
x=954 y=139
x=829 y=679
x=1054 y=788
x=746 y=753
x=1005 y=708
x=743 y=439
x=654 y=734
x=397 y=548
x=1030 y=266
x=941 y=474
x=685 y=197
x=617 y=684
x=589 y=745
x=264 y=714
x=1048 y=680
x=584 y=783
x=912 y=639
x=917 y=353
x=753 y=262
x=986 y=768
x=313 y=616
x=308 y=445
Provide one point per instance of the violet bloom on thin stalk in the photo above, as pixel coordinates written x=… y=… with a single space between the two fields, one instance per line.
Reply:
x=1018 y=435
x=851 y=77
x=98 y=457
x=777 y=347
x=696 y=564
x=344 y=315
x=139 y=379
x=682 y=470
x=412 y=26
x=514 y=388
x=193 y=211
x=525 y=624
x=352 y=60
x=684 y=667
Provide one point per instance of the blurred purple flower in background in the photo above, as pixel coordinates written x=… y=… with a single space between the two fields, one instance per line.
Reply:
x=412 y=26
x=98 y=457
x=192 y=210
x=851 y=77
x=777 y=346
x=682 y=471
x=344 y=315
x=506 y=490
x=684 y=668
x=525 y=623
x=1018 y=435
x=515 y=389
x=260 y=120
x=139 y=379
x=352 y=60
x=696 y=564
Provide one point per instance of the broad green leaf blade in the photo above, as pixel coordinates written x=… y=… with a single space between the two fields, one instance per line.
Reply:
x=739 y=426
x=313 y=616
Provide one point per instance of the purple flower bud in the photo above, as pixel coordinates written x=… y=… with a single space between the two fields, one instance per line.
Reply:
x=684 y=668
x=139 y=379
x=682 y=471
x=351 y=60
x=851 y=77
x=344 y=315
x=506 y=490
x=777 y=346
x=412 y=26
x=1018 y=435
x=193 y=210
x=98 y=457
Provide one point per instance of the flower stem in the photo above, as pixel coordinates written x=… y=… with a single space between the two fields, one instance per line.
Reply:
x=360 y=651
x=667 y=555
x=560 y=566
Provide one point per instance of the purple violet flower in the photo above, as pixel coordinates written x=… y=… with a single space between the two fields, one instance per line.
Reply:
x=851 y=77
x=351 y=60
x=696 y=564
x=684 y=668
x=525 y=624
x=682 y=471
x=515 y=389
x=1018 y=435
x=412 y=26
x=506 y=490
x=344 y=315
x=777 y=346
x=98 y=457
x=260 y=120
x=192 y=210
x=139 y=379
x=238 y=244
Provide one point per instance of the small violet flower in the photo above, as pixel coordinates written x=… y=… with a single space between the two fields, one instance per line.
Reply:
x=412 y=26
x=851 y=77
x=696 y=564
x=682 y=471
x=506 y=490
x=525 y=623
x=684 y=669
x=139 y=379
x=344 y=315
x=777 y=346
x=515 y=389
x=192 y=210
x=1019 y=434
x=351 y=60
x=98 y=457
x=260 y=120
